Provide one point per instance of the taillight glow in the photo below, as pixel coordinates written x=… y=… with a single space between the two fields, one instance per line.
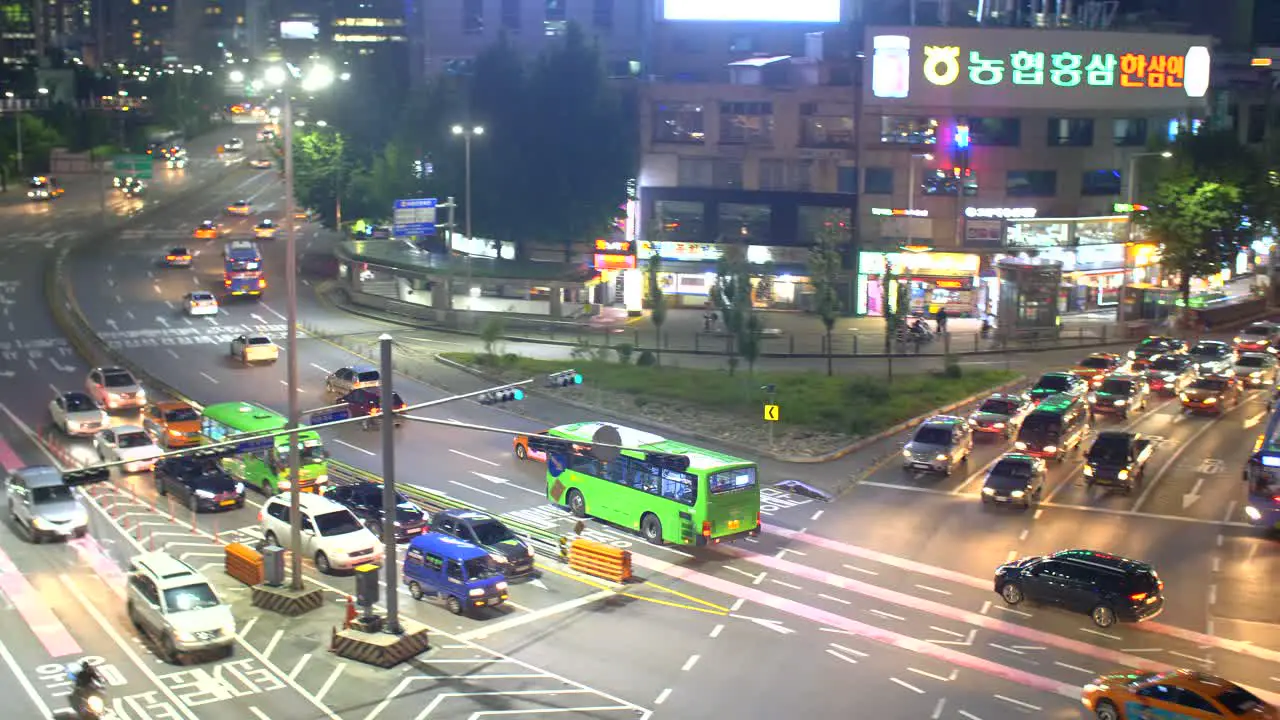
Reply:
x=1138 y=597
x=706 y=528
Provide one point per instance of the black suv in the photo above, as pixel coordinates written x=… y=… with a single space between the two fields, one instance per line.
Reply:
x=365 y=500
x=199 y=481
x=1117 y=459
x=1106 y=587
x=509 y=553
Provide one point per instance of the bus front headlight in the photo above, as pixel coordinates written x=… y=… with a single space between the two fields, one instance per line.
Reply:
x=322 y=478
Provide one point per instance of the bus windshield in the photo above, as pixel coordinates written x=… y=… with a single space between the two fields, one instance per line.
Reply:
x=308 y=453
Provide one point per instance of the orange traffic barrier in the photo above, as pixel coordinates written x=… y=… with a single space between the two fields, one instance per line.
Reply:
x=600 y=560
x=244 y=564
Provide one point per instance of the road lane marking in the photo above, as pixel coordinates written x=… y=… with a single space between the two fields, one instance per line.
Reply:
x=271 y=645
x=471 y=488
x=841 y=656
x=937 y=709
x=907 y=685
x=1019 y=703
x=884 y=614
x=842 y=601
x=1074 y=667
x=940 y=678
x=473 y=457
x=1205 y=661
x=715 y=631
x=816 y=515
x=855 y=568
x=933 y=589
x=326 y=372
x=1006 y=648
x=540 y=614
x=344 y=443
x=1099 y=633
x=35 y=612
x=258 y=713
x=662 y=696
x=968 y=715
x=688 y=664
x=209 y=377
x=1173 y=457
x=328 y=683
x=785 y=584
x=12 y=662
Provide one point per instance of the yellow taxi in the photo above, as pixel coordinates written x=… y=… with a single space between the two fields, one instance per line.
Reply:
x=264 y=230
x=240 y=207
x=172 y=424
x=1095 y=367
x=1176 y=695
x=207 y=230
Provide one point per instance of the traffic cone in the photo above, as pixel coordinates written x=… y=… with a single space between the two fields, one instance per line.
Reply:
x=351 y=612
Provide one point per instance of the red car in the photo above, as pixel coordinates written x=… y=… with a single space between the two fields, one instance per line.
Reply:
x=368 y=404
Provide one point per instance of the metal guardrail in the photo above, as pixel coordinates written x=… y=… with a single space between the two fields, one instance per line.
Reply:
x=543 y=542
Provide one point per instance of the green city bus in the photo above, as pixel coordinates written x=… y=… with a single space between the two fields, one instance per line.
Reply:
x=266 y=468
x=716 y=500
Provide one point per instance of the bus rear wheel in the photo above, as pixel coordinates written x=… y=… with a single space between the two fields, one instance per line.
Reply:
x=577 y=504
x=651 y=528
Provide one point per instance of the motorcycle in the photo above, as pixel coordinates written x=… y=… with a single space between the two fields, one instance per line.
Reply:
x=89 y=703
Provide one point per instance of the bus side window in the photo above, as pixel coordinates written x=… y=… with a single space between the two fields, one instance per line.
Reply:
x=645 y=477
x=585 y=465
x=617 y=470
x=678 y=486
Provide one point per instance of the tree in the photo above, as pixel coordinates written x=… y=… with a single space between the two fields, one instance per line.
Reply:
x=1200 y=228
x=657 y=301
x=502 y=186
x=731 y=295
x=826 y=261
x=321 y=172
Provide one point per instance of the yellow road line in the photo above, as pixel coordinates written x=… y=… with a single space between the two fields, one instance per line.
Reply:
x=577 y=577
x=668 y=603
x=691 y=598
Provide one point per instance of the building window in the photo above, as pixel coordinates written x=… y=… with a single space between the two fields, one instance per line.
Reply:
x=746 y=43
x=473 y=17
x=746 y=122
x=602 y=13
x=879 y=181
x=696 y=172
x=1100 y=182
x=908 y=130
x=1031 y=183
x=744 y=223
x=1070 y=132
x=678 y=123
x=726 y=173
x=679 y=220
x=555 y=19
x=511 y=15
x=1130 y=132
x=826 y=131
x=802 y=175
x=994 y=132
x=773 y=174
x=847 y=180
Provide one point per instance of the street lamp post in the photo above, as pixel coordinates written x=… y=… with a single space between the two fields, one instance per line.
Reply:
x=1131 y=191
x=467 y=134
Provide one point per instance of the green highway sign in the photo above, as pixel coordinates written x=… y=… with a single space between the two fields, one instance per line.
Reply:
x=138 y=166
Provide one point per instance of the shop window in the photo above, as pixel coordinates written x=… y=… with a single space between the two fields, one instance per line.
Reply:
x=879 y=181
x=1031 y=183
x=1129 y=132
x=511 y=15
x=1100 y=182
x=826 y=131
x=746 y=223
x=678 y=122
x=949 y=184
x=473 y=17
x=994 y=131
x=746 y=123
x=602 y=14
x=847 y=180
x=679 y=220
x=696 y=172
x=908 y=130
x=1070 y=132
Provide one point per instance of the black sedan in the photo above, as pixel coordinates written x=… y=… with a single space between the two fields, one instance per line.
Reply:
x=1016 y=479
x=199 y=483
x=510 y=554
x=365 y=500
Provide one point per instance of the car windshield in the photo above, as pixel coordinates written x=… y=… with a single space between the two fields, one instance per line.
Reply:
x=1168 y=362
x=1210 y=350
x=1262 y=330
x=1252 y=361
x=117 y=380
x=259 y=341
x=1109 y=450
x=201 y=296
x=1053 y=382
x=51 y=494
x=491 y=532
x=1096 y=363
x=311 y=454
x=1154 y=343
x=78 y=402
x=196 y=596
x=1020 y=469
x=184 y=414
x=133 y=440
x=998 y=407
x=933 y=435
x=1239 y=701
x=367 y=376
x=480 y=568
x=178 y=251
x=1214 y=384
x=206 y=224
x=338 y=522
x=1116 y=387
x=1043 y=425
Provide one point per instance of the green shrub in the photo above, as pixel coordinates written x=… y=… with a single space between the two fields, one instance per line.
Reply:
x=624 y=351
x=647 y=359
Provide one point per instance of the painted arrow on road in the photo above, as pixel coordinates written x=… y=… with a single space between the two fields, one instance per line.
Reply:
x=1189 y=499
x=112 y=323
x=60 y=367
x=261 y=320
x=774 y=625
x=7 y=373
x=163 y=321
x=503 y=481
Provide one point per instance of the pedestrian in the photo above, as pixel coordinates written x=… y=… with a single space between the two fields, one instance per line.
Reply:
x=941 y=318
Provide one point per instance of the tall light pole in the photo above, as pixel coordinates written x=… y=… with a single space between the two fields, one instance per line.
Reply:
x=315 y=78
x=17 y=124
x=467 y=134
x=1131 y=190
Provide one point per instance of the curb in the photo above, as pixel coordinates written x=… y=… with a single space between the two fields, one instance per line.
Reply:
x=836 y=454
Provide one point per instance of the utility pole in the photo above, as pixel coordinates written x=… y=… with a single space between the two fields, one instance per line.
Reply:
x=388 y=418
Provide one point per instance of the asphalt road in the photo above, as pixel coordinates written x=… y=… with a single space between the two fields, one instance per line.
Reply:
x=883 y=597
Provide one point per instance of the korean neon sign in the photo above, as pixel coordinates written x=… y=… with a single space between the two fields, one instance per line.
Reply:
x=945 y=65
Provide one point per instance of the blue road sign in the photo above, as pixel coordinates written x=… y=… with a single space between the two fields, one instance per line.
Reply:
x=319 y=418
x=556 y=464
x=416 y=216
x=255 y=444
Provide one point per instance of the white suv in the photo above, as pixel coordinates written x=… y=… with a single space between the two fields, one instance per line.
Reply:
x=331 y=534
x=176 y=606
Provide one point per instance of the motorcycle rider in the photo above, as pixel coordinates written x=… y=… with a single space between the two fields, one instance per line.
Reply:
x=87 y=680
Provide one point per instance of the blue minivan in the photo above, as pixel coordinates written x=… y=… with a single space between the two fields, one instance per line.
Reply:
x=457 y=571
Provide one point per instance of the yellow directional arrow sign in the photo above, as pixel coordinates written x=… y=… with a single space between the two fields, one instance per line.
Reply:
x=771 y=413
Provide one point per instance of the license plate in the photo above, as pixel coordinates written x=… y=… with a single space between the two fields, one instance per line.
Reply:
x=923 y=466
x=227 y=502
x=1002 y=499
x=493 y=601
x=733 y=524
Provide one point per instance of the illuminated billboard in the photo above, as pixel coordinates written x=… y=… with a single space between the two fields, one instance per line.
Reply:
x=937 y=67
x=800 y=11
x=299 y=30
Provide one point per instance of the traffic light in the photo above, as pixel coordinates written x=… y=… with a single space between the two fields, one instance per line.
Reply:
x=564 y=378
x=501 y=396
x=666 y=461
